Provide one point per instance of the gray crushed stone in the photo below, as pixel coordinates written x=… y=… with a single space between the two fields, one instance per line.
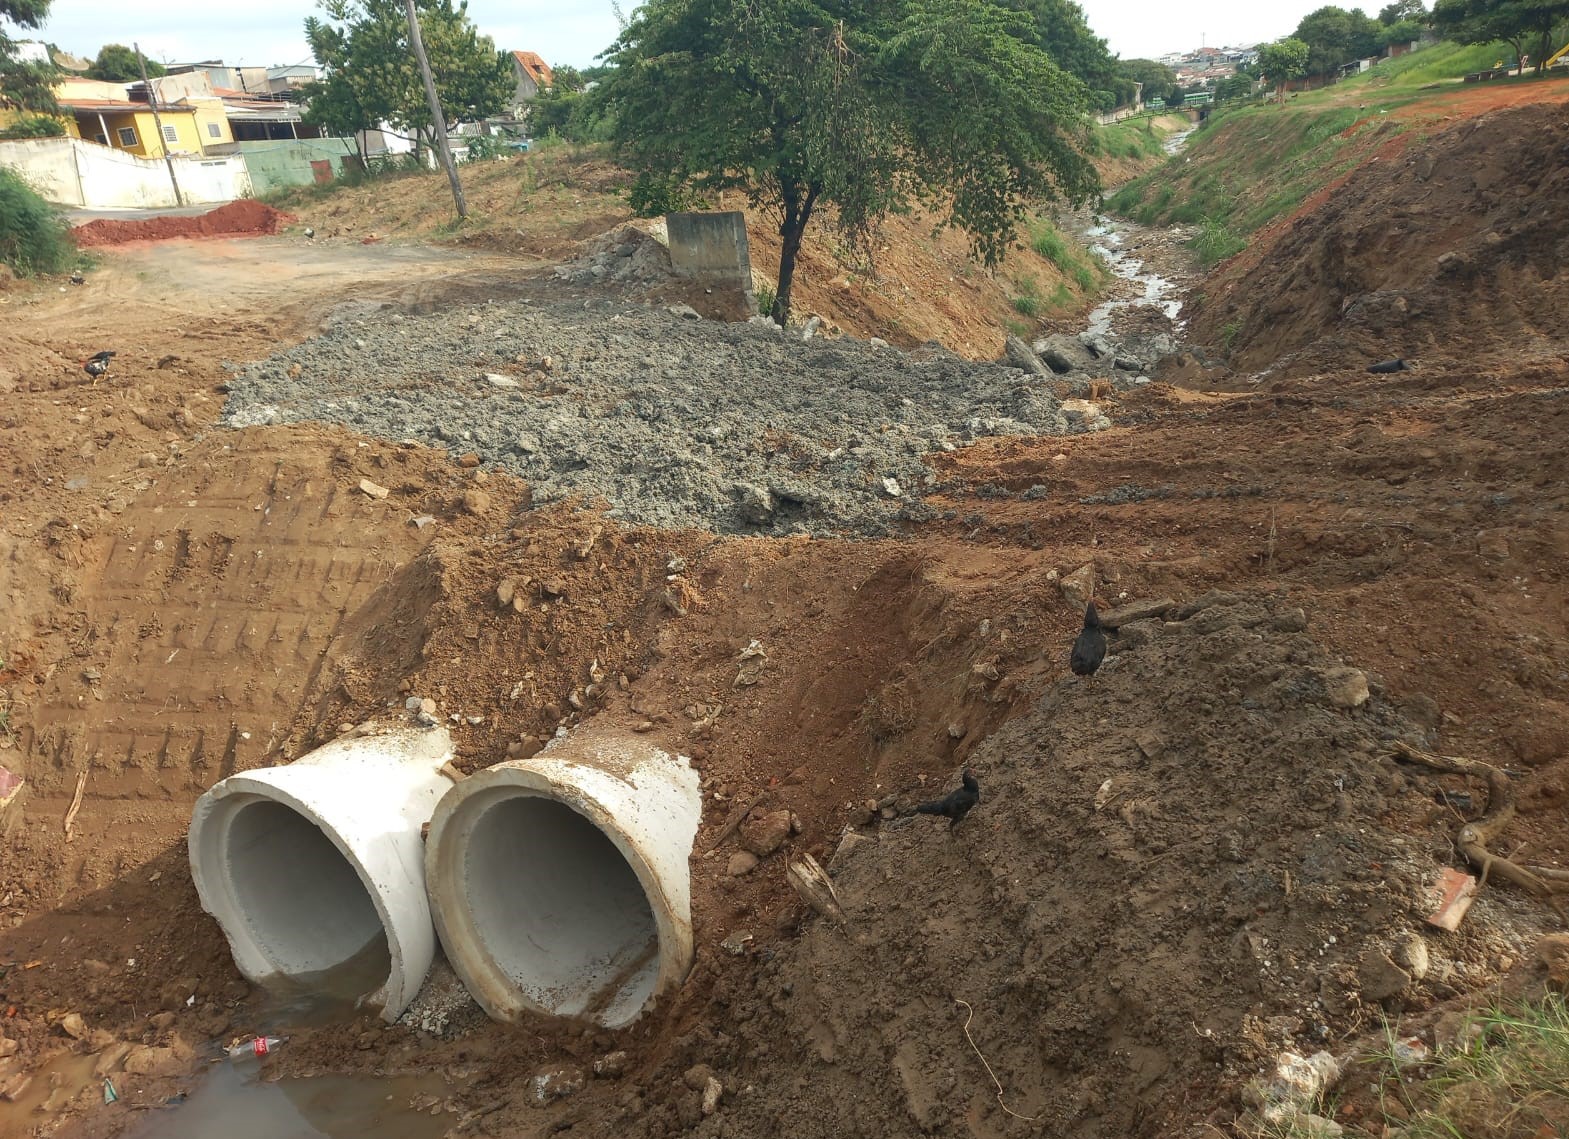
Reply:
x=674 y=422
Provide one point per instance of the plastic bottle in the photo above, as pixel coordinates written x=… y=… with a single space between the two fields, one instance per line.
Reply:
x=256 y=1046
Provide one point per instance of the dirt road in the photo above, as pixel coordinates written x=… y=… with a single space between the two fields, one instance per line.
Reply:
x=184 y=601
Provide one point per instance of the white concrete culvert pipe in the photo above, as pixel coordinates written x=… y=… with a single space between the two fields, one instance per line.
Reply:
x=315 y=870
x=559 y=884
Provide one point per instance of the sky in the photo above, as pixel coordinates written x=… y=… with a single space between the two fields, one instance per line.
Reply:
x=262 y=34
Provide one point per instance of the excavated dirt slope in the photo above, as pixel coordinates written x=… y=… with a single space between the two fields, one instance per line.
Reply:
x=184 y=599
x=1446 y=250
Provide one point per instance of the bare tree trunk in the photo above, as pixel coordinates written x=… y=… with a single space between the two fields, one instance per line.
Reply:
x=797 y=213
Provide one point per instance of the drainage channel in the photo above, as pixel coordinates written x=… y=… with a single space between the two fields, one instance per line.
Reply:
x=1108 y=241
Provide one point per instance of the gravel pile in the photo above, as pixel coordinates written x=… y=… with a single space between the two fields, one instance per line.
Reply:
x=674 y=421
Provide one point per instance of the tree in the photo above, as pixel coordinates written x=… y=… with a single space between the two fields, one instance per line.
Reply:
x=117 y=63
x=1063 y=32
x=1525 y=25
x=1283 y=61
x=1402 y=11
x=567 y=78
x=1158 y=79
x=371 y=76
x=1237 y=86
x=1335 y=36
x=864 y=106
x=24 y=85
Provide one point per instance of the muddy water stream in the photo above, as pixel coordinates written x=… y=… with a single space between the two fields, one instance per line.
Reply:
x=1108 y=239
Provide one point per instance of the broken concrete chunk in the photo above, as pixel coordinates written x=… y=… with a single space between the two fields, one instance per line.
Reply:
x=1079 y=586
x=1346 y=687
x=375 y=490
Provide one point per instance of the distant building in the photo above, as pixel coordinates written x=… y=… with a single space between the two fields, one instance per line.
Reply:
x=282 y=80
x=533 y=75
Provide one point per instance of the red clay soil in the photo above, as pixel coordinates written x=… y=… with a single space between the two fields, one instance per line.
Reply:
x=244 y=218
x=1449 y=249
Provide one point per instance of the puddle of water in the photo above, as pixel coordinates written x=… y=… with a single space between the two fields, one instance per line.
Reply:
x=55 y=1084
x=314 y=1000
x=233 y=1103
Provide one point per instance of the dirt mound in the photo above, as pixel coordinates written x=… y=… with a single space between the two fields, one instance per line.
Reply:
x=244 y=218
x=1444 y=251
x=1177 y=870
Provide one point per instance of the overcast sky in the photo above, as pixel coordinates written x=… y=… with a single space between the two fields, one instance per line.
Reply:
x=574 y=31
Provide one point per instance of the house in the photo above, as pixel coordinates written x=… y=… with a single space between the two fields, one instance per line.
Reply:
x=282 y=80
x=104 y=113
x=263 y=118
x=250 y=80
x=533 y=76
x=195 y=91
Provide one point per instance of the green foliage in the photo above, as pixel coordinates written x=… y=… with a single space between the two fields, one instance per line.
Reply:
x=1063 y=32
x=1283 y=61
x=117 y=63
x=371 y=73
x=482 y=147
x=577 y=116
x=765 y=298
x=868 y=105
x=1528 y=26
x=1158 y=79
x=1335 y=36
x=1215 y=242
x=653 y=194
x=1403 y=11
x=34 y=237
x=24 y=86
x=567 y=78
x=33 y=126
x=1510 y=1079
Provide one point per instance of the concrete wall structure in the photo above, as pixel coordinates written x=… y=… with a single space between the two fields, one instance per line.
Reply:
x=710 y=247
x=274 y=165
x=71 y=172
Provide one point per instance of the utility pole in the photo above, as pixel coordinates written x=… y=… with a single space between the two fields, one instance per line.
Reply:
x=436 y=116
x=152 y=101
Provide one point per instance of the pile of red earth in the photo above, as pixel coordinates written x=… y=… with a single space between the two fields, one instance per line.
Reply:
x=243 y=218
x=1455 y=250
x=1178 y=870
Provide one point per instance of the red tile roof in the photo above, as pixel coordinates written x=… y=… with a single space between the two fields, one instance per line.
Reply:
x=535 y=68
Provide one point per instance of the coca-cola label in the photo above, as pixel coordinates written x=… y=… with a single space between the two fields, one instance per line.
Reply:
x=261 y=1046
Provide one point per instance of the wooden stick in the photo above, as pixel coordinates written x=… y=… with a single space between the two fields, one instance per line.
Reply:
x=76 y=804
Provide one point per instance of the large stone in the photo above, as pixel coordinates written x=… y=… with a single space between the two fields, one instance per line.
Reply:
x=1346 y=687
x=1412 y=956
x=1553 y=951
x=143 y=1060
x=1136 y=611
x=1079 y=586
x=1380 y=978
x=1018 y=353
x=555 y=1083
x=756 y=504
x=766 y=833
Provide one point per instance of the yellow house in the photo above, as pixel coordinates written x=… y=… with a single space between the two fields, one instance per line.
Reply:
x=100 y=112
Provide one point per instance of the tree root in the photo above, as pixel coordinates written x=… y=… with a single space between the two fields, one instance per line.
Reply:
x=1473 y=838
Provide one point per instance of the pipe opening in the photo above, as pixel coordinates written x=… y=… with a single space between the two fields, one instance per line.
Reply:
x=303 y=902
x=559 y=910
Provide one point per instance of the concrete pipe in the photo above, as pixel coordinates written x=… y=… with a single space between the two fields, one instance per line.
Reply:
x=315 y=870
x=560 y=884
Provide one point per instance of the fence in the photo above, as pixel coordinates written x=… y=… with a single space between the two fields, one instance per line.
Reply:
x=70 y=172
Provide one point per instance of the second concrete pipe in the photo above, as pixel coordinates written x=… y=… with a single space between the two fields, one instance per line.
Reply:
x=559 y=884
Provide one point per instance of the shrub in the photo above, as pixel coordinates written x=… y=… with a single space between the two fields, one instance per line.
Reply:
x=33 y=126
x=34 y=238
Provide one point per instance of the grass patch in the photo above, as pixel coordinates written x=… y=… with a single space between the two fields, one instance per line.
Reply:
x=1512 y=1082
x=1215 y=242
x=1132 y=138
x=34 y=237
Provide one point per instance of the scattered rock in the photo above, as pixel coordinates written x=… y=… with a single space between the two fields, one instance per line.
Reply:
x=1079 y=586
x=685 y=312
x=1379 y=977
x=1346 y=687
x=476 y=502
x=1018 y=353
x=468 y=461
x=1294 y=1087
x=1553 y=951
x=741 y=862
x=375 y=490
x=697 y=1076
x=73 y=1026
x=712 y=1093
x=735 y=944
x=892 y=488
x=611 y=1066
x=501 y=381
x=555 y=1083
x=1412 y=956
x=1136 y=611
x=143 y=1060
x=767 y=833
x=755 y=503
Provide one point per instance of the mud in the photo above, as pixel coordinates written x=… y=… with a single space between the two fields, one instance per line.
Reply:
x=1440 y=252
x=245 y=217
